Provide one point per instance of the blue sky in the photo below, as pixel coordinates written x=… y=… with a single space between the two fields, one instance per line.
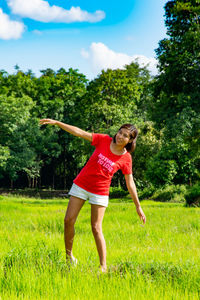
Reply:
x=85 y=35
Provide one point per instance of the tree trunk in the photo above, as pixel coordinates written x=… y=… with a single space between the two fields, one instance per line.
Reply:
x=53 y=183
x=29 y=181
x=11 y=184
x=40 y=181
x=36 y=182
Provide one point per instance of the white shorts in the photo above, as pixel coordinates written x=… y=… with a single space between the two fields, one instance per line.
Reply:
x=93 y=198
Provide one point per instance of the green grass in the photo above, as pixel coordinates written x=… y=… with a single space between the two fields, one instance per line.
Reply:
x=158 y=261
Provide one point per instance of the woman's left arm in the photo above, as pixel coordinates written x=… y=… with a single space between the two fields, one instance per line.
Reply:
x=133 y=192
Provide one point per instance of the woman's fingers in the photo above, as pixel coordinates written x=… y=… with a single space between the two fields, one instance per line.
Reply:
x=141 y=214
x=43 y=121
x=143 y=219
x=46 y=121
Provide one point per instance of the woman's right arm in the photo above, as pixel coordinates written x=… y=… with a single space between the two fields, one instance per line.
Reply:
x=69 y=128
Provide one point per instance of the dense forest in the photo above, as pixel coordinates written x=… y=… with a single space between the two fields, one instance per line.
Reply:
x=165 y=108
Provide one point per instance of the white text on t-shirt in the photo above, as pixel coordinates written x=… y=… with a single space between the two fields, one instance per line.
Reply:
x=105 y=162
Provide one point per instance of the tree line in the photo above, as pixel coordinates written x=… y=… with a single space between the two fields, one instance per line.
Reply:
x=165 y=108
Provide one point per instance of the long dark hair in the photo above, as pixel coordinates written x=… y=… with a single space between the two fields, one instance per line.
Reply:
x=130 y=147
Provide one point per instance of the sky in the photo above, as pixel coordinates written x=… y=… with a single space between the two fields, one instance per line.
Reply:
x=84 y=35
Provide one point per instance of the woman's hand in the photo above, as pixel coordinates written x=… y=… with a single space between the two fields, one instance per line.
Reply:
x=69 y=128
x=141 y=214
x=48 y=121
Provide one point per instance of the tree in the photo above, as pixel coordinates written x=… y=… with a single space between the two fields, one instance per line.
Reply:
x=113 y=98
x=176 y=104
x=59 y=94
x=53 y=95
x=4 y=156
x=28 y=151
x=14 y=114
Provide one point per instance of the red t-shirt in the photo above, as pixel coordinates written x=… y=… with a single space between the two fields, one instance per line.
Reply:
x=96 y=176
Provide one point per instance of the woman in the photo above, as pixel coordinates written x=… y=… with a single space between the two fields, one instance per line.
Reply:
x=93 y=182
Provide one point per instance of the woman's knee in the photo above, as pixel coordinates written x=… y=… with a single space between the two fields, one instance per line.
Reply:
x=96 y=228
x=69 y=221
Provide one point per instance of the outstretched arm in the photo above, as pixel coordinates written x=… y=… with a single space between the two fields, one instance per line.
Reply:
x=69 y=128
x=133 y=192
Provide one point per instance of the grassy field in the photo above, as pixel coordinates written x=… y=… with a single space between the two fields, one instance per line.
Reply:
x=158 y=261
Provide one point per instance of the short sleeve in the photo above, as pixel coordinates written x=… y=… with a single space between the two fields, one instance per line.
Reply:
x=97 y=138
x=127 y=165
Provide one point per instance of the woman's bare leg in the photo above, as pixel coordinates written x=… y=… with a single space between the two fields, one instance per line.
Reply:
x=74 y=206
x=97 y=214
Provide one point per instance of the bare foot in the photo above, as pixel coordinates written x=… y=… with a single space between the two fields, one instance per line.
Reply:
x=104 y=269
x=72 y=260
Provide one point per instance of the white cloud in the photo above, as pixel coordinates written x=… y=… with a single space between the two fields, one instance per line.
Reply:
x=101 y=57
x=37 y=32
x=10 y=29
x=40 y=10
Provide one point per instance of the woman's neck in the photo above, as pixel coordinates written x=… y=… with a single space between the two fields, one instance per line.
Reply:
x=118 y=150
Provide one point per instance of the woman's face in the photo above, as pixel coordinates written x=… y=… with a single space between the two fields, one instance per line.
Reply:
x=123 y=137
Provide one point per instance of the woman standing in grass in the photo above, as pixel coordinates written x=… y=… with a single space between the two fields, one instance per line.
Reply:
x=93 y=182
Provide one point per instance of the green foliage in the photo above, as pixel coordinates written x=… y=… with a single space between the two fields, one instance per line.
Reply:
x=4 y=155
x=14 y=113
x=112 y=98
x=176 y=107
x=59 y=97
x=148 y=144
x=173 y=163
x=161 y=172
x=170 y=193
x=24 y=100
x=179 y=55
x=193 y=196
x=146 y=192
x=117 y=192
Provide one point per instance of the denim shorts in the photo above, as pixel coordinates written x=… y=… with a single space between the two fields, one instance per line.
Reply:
x=85 y=195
